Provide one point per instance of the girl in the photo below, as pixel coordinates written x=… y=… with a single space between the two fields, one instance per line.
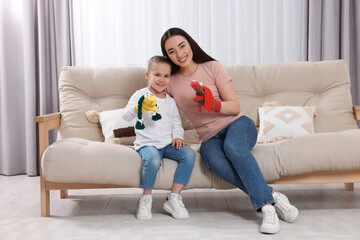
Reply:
x=160 y=138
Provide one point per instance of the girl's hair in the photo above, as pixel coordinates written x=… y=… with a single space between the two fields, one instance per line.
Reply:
x=157 y=59
x=199 y=56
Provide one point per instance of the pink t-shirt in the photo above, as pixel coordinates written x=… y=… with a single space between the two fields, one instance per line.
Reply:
x=213 y=75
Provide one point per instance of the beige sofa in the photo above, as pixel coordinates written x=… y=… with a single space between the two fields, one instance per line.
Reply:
x=80 y=159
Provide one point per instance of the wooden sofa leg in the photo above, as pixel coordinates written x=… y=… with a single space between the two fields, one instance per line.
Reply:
x=45 y=202
x=64 y=193
x=349 y=186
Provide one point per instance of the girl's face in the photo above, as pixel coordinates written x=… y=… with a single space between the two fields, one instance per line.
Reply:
x=179 y=51
x=159 y=77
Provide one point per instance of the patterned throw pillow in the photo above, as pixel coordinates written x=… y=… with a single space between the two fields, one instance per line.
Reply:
x=112 y=123
x=284 y=122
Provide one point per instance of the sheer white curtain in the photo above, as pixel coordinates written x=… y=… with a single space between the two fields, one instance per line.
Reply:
x=128 y=32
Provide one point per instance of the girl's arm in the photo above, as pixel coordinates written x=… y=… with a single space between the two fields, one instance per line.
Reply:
x=230 y=103
x=129 y=113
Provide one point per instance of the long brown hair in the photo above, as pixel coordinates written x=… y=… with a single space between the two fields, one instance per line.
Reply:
x=199 y=56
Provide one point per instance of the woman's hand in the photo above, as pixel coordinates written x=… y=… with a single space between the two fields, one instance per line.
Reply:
x=230 y=103
x=205 y=98
x=179 y=143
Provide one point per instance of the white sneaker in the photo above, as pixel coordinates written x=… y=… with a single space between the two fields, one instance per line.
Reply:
x=270 y=222
x=144 y=211
x=176 y=208
x=284 y=209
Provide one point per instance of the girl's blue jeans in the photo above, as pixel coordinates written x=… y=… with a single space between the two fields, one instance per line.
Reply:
x=228 y=155
x=152 y=162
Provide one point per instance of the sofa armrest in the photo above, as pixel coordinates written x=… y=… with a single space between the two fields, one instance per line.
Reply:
x=46 y=123
x=47 y=117
x=356 y=112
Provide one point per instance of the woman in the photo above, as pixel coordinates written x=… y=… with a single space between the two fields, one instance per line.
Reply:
x=226 y=134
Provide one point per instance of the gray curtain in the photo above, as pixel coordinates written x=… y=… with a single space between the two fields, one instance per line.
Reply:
x=35 y=42
x=332 y=31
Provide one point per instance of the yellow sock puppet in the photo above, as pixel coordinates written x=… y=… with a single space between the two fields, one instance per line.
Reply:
x=146 y=103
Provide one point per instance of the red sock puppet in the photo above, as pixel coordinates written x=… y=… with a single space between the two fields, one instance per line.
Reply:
x=205 y=98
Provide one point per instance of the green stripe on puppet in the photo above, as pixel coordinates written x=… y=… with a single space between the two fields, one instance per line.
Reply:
x=205 y=98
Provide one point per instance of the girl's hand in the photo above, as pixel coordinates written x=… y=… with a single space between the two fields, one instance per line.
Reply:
x=179 y=143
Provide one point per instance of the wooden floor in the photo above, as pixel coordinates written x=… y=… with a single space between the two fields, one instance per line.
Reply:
x=327 y=211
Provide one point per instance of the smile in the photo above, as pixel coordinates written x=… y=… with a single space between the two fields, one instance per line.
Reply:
x=183 y=59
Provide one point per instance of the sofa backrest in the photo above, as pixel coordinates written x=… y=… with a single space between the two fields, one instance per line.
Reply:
x=100 y=89
x=324 y=84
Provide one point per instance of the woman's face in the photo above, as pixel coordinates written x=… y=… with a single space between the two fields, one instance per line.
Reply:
x=179 y=51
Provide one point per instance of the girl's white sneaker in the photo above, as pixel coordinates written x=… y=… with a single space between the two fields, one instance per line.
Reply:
x=176 y=208
x=144 y=210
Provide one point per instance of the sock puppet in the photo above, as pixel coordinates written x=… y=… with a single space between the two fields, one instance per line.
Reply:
x=146 y=103
x=205 y=98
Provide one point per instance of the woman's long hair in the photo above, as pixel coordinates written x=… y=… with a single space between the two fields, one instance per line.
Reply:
x=199 y=56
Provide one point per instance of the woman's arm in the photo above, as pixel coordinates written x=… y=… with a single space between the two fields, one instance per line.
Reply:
x=178 y=130
x=230 y=103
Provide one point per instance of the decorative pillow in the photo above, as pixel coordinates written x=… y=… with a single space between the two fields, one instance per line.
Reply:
x=112 y=123
x=125 y=136
x=283 y=122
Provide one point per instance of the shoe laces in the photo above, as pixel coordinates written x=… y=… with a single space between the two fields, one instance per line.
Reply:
x=269 y=217
x=179 y=201
x=284 y=204
x=144 y=203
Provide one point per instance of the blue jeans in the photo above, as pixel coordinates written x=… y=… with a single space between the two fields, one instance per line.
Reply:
x=152 y=162
x=228 y=155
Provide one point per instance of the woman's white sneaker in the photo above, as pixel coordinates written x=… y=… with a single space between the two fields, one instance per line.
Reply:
x=176 y=208
x=284 y=209
x=270 y=222
x=144 y=210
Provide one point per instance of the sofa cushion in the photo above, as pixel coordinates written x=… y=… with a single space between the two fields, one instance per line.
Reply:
x=80 y=160
x=324 y=84
x=76 y=160
x=311 y=153
x=82 y=89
